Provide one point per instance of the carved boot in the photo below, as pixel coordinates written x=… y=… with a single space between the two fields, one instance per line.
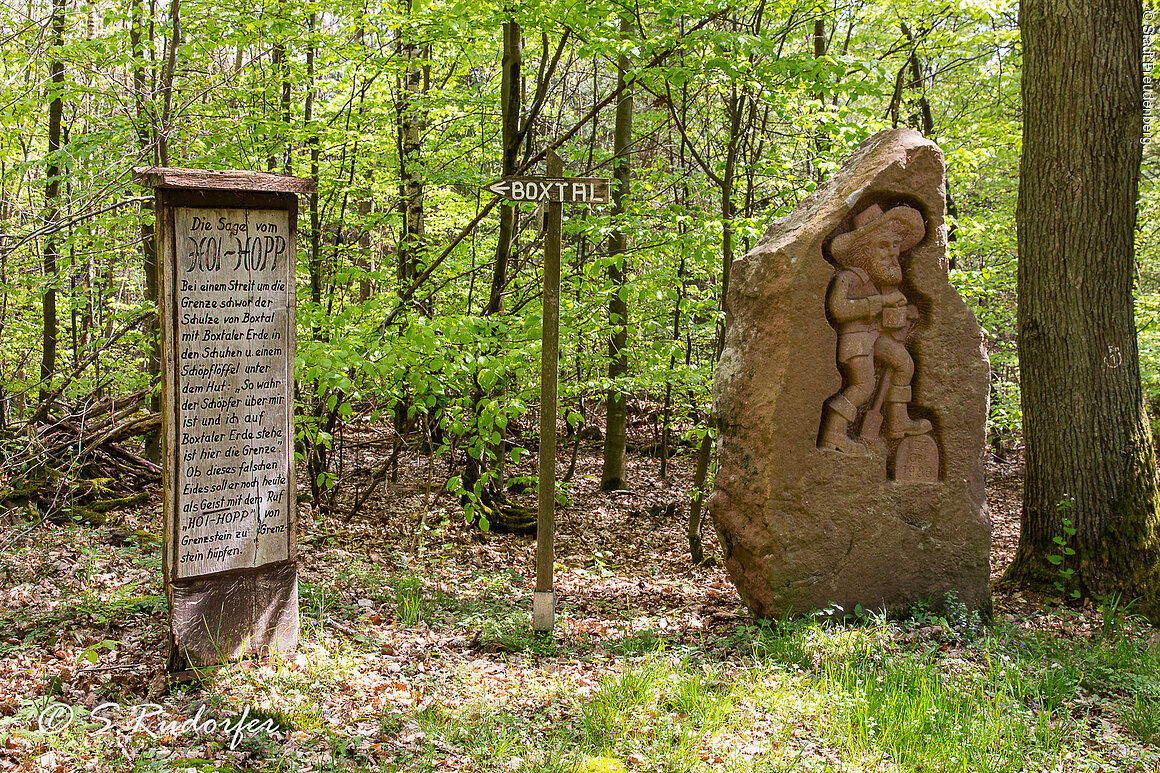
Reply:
x=840 y=412
x=898 y=421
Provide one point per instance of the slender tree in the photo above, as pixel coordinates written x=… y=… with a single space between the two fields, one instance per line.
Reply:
x=52 y=202
x=413 y=83
x=1089 y=449
x=612 y=477
x=511 y=101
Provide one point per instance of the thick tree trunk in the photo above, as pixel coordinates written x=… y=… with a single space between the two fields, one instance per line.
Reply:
x=612 y=477
x=1083 y=420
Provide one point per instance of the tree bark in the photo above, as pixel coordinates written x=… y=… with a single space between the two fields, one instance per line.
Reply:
x=926 y=125
x=409 y=132
x=1083 y=419
x=612 y=477
x=148 y=152
x=821 y=140
x=52 y=204
x=315 y=161
x=511 y=99
x=168 y=73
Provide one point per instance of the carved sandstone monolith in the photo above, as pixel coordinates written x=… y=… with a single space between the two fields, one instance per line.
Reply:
x=851 y=400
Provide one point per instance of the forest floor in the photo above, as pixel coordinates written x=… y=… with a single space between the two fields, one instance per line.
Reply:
x=416 y=654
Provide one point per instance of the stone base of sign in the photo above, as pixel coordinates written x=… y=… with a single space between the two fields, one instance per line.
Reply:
x=221 y=618
x=835 y=484
x=543 y=610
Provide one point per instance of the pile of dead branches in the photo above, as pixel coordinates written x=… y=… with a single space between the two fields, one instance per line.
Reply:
x=74 y=463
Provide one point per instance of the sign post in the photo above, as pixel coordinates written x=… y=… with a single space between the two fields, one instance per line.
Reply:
x=226 y=252
x=555 y=191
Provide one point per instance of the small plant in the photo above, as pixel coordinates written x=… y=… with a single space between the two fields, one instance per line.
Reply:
x=637 y=643
x=920 y=614
x=1142 y=720
x=598 y=565
x=830 y=614
x=92 y=653
x=1053 y=686
x=966 y=623
x=1065 y=584
x=315 y=602
x=409 y=601
x=1114 y=614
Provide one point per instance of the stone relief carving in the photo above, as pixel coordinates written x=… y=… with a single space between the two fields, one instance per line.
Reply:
x=874 y=318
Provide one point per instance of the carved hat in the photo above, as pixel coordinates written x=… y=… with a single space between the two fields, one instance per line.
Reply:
x=906 y=222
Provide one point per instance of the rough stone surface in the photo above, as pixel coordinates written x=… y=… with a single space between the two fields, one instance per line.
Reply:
x=809 y=510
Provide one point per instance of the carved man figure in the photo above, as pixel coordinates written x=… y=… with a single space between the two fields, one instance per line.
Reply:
x=873 y=319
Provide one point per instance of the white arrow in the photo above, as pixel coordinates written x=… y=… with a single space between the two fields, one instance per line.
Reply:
x=500 y=187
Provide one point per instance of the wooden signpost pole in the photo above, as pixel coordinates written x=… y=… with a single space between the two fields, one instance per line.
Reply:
x=227 y=256
x=555 y=191
x=544 y=598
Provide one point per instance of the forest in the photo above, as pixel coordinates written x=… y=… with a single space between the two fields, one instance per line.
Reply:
x=419 y=292
x=417 y=386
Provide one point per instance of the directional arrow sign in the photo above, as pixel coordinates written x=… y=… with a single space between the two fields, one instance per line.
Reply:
x=565 y=190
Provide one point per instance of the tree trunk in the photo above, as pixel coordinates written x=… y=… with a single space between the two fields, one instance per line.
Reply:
x=1087 y=440
x=409 y=129
x=167 y=74
x=511 y=99
x=612 y=477
x=315 y=159
x=148 y=253
x=821 y=140
x=925 y=121
x=281 y=69
x=52 y=204
x=511 y=103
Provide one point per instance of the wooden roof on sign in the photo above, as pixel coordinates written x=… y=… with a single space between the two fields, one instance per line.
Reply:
x=223 y=180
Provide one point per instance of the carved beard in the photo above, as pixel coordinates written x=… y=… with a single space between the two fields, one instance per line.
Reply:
x=884 y=276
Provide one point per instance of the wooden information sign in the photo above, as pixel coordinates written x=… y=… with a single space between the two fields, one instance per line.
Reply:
x=226 y=255
x=556 y=190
